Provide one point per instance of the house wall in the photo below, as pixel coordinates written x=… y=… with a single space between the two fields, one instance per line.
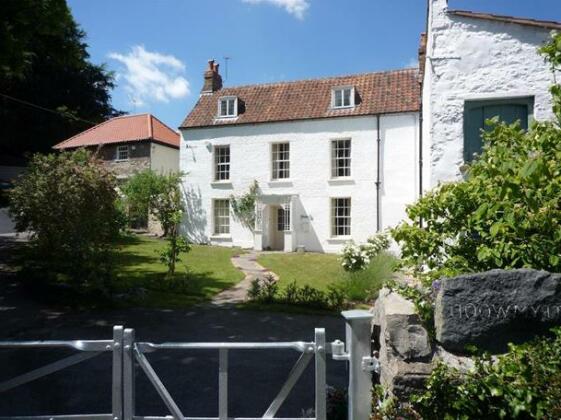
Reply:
x=310 y=171
x=164 y=159
x=139 y=159
x=474 y=59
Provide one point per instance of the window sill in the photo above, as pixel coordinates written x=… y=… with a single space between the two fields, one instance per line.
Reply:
x=335 y=108
x=221 y=184
x=341 y=181
x=222 y=238
x=339 y=239
x=226 y=117
x=120 y=160
x=283 y=182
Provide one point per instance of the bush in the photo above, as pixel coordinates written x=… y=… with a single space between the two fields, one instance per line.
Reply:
x=524 y=383
x=67 y=202
x=505 y=214
x=266 y=290
x=149 y=192
x=357 y=257
x=363 y=285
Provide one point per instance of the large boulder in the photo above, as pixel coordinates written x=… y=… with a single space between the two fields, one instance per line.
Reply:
x=496 y=307
x=404 y=345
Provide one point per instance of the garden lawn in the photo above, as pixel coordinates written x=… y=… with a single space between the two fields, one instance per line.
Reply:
x=315 y=270
x=202 y=273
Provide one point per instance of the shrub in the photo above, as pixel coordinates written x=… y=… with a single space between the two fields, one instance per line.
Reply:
x=363 y=285
x=67 y=202
x=505 y=214
x=269 y=288
x=254 y=291
x=524 y=383
x=357 y=257
x=266 y=290
x=149 y=192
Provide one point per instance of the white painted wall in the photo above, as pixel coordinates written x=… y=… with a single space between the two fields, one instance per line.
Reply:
x=474 y=59
x=310 y=166
x=164 y=159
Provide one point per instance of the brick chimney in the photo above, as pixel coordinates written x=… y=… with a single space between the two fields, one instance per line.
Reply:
x=213 y=80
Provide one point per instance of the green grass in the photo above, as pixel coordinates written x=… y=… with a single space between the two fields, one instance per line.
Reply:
x=316 y=270
x=201 y=273
x=322 y=270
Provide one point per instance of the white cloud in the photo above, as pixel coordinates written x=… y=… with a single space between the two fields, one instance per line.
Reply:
x=151 y=76
x=413 y=62
x=294 y=7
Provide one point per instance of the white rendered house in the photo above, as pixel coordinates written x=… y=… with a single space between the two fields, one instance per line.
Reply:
x=340 y=158
x=335 y=159
x=477 y=66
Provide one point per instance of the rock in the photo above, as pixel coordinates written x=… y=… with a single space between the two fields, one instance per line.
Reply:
x=496 y=307
x=404 y=345
x=462 y=363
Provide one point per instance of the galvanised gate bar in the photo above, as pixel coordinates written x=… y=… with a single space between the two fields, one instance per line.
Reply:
x=128 y=353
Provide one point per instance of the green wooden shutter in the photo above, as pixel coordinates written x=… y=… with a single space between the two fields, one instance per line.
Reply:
x=477 y=112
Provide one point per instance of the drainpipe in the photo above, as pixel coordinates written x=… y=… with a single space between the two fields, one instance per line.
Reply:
x=378 y=174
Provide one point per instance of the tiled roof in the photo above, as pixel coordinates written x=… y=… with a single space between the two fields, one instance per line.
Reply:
x=376 y=93
x=546 y=24
x=125 y=129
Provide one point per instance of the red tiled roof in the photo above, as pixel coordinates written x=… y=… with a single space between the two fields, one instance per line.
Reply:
x=376 y=93
x=546 y=24
x=125 y=129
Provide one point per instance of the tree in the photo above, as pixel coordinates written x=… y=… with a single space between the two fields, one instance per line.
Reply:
x=44 y=61
x=505 y=214
x=149 y=192
x=67 y=202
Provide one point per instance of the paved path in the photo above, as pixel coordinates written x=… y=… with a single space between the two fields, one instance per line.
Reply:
x=248 y=264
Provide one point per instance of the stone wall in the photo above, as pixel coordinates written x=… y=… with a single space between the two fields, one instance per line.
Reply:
x=403 y=343
x=488 y=310
x=139 y=159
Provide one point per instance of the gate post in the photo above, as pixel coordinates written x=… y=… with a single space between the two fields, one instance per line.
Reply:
x=117 y=382
x=128 y=375
x=358 y=346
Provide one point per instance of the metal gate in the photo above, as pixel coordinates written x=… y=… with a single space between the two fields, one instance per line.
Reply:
x=128 y=353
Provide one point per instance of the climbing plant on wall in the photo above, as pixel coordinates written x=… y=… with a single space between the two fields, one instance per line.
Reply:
x=243 y=206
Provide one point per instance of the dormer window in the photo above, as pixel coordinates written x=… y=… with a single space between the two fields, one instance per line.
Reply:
x=343 y=97
x=228 y=107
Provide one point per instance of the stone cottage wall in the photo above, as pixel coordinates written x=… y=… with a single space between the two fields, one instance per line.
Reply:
x=473 y=59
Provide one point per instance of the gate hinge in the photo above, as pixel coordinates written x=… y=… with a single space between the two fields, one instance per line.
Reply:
x=370 y=364
x=338 y=351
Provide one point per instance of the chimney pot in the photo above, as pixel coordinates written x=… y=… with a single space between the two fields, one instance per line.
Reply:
x=212 y=78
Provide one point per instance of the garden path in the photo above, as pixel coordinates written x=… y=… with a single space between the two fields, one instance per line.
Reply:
x=247 y=263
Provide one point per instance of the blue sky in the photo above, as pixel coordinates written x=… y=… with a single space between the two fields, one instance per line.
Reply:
x=159 y=48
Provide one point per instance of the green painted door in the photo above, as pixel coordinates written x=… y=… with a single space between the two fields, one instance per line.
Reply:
x=477 y=112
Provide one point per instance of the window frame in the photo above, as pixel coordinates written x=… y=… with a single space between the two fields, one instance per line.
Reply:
x=219 y=228
x=471 y=104
x=283 y=219
x=335 y=218
x=121 y=148
x=342 y=89
x=227 y=99
x=335 y=159
x=276 y=171
x=218 y=166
